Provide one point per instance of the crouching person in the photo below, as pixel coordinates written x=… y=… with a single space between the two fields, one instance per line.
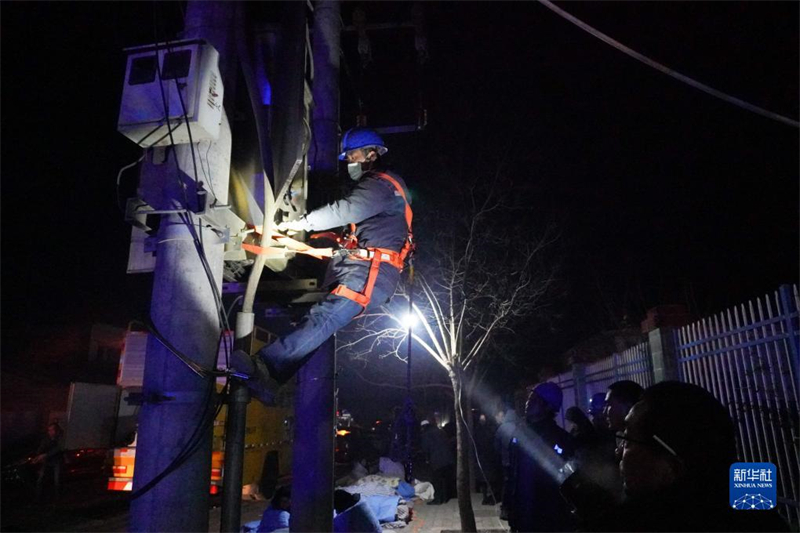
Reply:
x=276 y=516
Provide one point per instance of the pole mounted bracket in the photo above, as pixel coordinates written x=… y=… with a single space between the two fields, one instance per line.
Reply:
x=219 y=217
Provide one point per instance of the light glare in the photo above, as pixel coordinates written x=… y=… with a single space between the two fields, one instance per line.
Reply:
x=409 y=320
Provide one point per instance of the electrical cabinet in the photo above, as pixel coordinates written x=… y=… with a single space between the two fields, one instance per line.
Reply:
x=171 y=88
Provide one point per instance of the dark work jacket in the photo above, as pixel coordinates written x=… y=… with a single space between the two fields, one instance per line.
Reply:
x=537 y=452
x=375 y=206
x=378 y=210
x=52 y=449
x=436 y=444
x=503 y=435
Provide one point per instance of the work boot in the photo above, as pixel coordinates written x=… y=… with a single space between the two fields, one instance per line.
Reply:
x=256 y=375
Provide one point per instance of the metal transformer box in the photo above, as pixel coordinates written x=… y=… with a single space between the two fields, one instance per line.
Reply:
x=151 y=103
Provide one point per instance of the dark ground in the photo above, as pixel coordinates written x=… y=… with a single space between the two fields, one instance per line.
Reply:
x=83 y=505
x=86 y=506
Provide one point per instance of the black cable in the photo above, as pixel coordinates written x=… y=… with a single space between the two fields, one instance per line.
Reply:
x=197 y=241
x=192 y=444
x=224 y=325
x=169 y=128
x=201 y=250
x=666 y=70
x=193 y=366
x=187 y=220
x=196 y=438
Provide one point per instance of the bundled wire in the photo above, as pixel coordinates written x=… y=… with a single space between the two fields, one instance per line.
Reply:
x=186 y=217
x=205 y=423
x=209 y=414
x=192 y=365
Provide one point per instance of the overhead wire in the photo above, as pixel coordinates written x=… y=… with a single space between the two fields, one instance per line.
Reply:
x=666 y=70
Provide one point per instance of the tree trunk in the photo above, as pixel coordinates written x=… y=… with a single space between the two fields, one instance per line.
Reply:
x=474 y=472
x=462 y=464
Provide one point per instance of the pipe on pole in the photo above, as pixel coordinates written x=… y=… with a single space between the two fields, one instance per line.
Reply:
x=235 y=424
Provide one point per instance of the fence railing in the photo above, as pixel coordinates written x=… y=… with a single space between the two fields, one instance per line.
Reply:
x=567 y=384
x=747 y=357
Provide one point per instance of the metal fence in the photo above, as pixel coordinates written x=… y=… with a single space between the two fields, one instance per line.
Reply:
x=747 y=357
x=634 y=363
x=567 y=384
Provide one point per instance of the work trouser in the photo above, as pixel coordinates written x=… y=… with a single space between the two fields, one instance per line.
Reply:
x=285 y=356
x=48 y=476
x=442 y=481
x=507 y=486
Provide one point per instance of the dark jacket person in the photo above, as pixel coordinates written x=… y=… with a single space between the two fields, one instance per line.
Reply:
x=537 y=452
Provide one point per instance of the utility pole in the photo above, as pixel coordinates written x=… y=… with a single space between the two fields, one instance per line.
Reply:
x=178 y=404
x=312 y=468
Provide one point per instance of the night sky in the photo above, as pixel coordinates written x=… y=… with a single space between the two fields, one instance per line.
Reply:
x=662 y=193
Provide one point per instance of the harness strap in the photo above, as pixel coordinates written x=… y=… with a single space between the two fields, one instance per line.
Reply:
x=376 y=256
x=365 y=296
x=352 y=241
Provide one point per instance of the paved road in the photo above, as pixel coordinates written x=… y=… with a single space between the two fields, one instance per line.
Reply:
x=438 y=518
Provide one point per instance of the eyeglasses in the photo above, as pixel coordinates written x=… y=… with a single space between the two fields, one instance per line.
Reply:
x=656 y=438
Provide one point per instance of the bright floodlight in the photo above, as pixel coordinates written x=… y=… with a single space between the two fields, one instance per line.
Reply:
x=409 y=320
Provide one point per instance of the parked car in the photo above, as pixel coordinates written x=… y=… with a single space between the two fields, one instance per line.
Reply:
x=81 y=464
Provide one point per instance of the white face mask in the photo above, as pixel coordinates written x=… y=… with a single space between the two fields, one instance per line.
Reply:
x=355 y=171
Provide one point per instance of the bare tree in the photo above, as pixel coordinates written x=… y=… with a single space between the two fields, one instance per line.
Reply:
x=483 y=273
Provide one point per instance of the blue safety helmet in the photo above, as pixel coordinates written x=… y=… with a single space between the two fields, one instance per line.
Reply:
x=597 y=403
x=550 y=393
x=356 y=138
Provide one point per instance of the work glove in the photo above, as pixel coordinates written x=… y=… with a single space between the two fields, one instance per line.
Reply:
x=293 y=226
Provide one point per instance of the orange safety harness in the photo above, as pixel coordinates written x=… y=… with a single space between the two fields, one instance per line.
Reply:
x=376 y=256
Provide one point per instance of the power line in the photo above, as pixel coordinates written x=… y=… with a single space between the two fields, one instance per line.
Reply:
x=668 y=71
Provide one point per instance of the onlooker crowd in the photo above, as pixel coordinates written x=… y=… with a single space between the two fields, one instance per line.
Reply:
x=654 y=459
x=437 y=447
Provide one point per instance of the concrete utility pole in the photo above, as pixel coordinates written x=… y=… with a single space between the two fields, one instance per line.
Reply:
x=183 y=308
x=312 y=468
